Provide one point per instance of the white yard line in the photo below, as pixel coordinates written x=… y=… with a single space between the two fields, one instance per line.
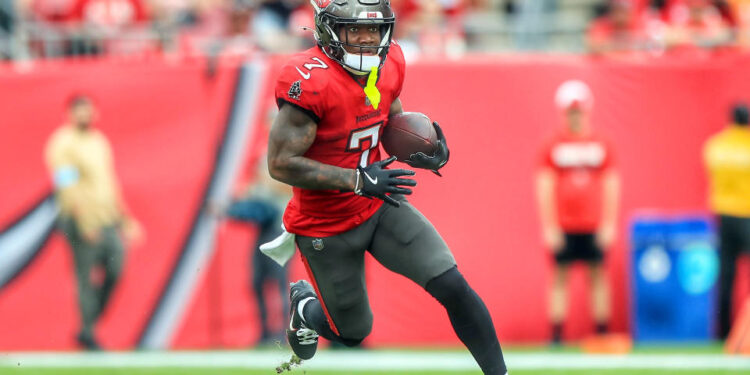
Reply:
x=372 y=360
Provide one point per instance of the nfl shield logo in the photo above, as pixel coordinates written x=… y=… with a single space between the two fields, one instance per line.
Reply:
x=317 y=244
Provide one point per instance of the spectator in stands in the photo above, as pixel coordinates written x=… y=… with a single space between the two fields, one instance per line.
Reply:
x=7 y=27
x=726 y=156
x=726 y=11
x=741 y=11
x=237 y=38
x=577 y=188
x=89 y=27
x=622 y=30
x=431 y=27
x=43 y=20
x=531 y=23
x=93 y=214
x=696 y=24
x=113 y=25
x=263 y=205
x=276 y=25
x=109 y=15
x=13 y=33
x=169 y=17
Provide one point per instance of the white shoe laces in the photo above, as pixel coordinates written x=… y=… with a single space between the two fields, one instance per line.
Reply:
x=307 y=336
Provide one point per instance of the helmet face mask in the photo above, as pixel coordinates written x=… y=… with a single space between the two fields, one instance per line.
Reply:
x=331 y=18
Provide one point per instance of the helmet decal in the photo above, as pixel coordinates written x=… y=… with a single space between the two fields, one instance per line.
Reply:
x=320 y=4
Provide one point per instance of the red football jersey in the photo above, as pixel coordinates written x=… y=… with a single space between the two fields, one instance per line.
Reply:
x=348 y=134
x=579 y=162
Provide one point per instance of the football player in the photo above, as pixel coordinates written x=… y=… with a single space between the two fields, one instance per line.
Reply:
x=334 y=101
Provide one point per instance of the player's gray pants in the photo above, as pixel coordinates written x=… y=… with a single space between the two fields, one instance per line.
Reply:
x=401 y=239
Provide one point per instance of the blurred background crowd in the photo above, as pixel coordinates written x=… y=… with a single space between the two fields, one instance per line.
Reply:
x=38 y=29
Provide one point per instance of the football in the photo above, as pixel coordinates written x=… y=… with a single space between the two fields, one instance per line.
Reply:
x=408 y=133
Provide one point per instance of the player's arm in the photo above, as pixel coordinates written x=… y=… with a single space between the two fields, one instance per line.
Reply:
x=545 y=194
x=292 y=134
x=420 y=159
x=611 y=195
x=396 y=108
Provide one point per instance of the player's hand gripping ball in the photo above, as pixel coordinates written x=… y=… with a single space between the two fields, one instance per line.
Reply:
x=415 y=140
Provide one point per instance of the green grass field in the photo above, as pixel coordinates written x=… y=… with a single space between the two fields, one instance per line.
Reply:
x=178 y=371
x=644 y=360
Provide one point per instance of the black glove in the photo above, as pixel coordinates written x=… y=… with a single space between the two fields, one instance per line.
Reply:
x=377 y=181
x=436 y=161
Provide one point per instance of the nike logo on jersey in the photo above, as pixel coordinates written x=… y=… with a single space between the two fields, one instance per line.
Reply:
x=373 y=180
x=304 y=75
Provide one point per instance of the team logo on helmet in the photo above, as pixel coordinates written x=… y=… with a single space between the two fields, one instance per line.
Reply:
x=322 y=4
x=295 y=91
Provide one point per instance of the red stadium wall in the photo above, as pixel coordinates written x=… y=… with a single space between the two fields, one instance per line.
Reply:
x=165 y=121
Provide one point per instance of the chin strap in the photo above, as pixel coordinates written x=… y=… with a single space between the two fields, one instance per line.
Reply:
x=370 y=90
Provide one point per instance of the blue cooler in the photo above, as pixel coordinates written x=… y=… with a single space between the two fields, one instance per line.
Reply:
x=674 y=270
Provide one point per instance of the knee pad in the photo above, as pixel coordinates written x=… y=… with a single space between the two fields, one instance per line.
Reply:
x=449 y=288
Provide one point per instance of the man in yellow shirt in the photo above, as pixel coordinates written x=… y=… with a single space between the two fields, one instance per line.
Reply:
x=727 y=159
x=92 y=211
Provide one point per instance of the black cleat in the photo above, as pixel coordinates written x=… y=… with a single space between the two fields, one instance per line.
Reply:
x=303 y=340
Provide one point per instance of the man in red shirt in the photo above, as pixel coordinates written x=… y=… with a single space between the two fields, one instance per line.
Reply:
x=334 y=101
x=578 y=191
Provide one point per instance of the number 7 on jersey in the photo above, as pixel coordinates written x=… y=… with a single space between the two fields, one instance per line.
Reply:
x=357 y=139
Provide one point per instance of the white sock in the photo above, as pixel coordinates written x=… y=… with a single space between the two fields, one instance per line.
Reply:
x=301 y=307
